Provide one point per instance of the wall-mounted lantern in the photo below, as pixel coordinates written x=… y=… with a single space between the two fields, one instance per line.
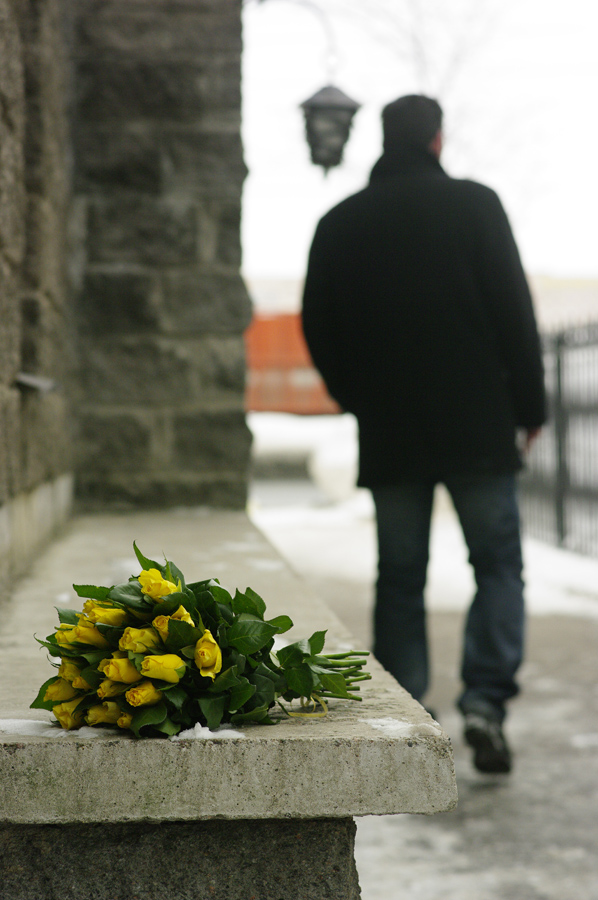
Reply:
x=328 y=119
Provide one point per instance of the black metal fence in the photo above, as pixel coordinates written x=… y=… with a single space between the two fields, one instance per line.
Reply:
x=559 y=487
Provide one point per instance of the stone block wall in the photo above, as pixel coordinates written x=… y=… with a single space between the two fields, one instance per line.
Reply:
x=161 y=307
x=35 y=440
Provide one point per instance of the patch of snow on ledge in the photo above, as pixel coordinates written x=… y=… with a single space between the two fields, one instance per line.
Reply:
x=40 y=728
x=399 y=728
x=201 y=733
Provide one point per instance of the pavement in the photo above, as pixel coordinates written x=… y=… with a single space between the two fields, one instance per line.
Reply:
x=531 y=835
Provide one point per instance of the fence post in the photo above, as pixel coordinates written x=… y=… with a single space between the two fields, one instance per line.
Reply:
x=560 y=433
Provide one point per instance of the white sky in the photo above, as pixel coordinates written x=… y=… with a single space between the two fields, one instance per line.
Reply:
x=520 y=115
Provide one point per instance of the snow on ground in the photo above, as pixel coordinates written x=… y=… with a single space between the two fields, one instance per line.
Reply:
x=327 y=528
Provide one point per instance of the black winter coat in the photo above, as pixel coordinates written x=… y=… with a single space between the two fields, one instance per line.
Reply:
x=418 y=315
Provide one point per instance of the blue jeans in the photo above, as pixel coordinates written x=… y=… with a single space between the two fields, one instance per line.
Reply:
x=494 y=629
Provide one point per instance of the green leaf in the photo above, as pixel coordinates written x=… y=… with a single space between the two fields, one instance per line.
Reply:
x=136 y=659
x=300 y=680
x=220 y=594
x=188 y=652
x=238 y=659
x=94 y=657
x=50 y=644
x=225 y=613
x=67 y=616
x=294 y=654
x=172 y=602
x=173 y=573
x=265 y=690
x=168 y=727
x=221 y=636
x=276 y=676
x=61 y=650
x=332 y=681
x=240 y=694
x=39 y=702
x=88 y=701
x=261 y=606
x=316 y=642
x=259 y=714
x=199 y=586
x=149 y=715
x=243 y=603
x=129 y=594
x=91 y=591
x=144 y=562
x=208 y=609
x=92 y=676
x=249 y=634
x=213 y=709
x=227 y=679
x=181 y=634
x=112 y=633
x=175 y=694
x=281 y=623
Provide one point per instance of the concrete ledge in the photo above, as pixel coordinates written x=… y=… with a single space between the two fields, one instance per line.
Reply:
x=382 y=756
x=333 y=768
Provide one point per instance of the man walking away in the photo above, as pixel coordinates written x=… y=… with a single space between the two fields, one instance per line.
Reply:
x=418 y=315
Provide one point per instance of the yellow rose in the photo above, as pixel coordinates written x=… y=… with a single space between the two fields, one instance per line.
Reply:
x=125 y=720
x=208 y=656
x=107 y=713
x=107 y=615
x=168 y=667
x=116 y=654
x=139 y=640
x=119 y=670
x=88 y=634
x=108 y=688
x=80 y=683
x=143 y=694
x=183 y=615
x=155 y=586
x=69 y=670
x=65 y=635
x=59 y=691
x=160 y=623
x=67 y=714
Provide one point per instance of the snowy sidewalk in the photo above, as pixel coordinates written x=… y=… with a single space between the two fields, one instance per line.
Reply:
x=327 y=530
x=527 y=836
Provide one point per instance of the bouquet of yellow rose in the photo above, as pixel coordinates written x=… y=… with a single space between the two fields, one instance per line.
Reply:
x=156 y=656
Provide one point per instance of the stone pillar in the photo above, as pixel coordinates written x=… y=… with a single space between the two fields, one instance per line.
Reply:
x=286 y=859
x=156 y=225
x=13 y=204
x=35 y=440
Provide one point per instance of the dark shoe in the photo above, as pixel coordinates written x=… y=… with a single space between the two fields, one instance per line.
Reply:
x=491 y=751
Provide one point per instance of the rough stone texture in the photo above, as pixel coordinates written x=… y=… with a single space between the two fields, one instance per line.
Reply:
x=282 y=860
x=34 y=313
x=161 y=307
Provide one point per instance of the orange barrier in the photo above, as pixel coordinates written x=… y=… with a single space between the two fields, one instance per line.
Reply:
x=281 y=376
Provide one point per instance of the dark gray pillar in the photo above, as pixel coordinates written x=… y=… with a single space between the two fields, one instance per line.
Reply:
x=161 y=304
x=272 y=859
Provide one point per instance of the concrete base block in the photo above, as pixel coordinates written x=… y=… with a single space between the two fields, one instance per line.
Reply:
x=272 y=859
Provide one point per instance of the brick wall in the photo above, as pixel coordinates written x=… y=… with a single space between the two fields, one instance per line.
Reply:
x=35 y=440
x=160 y=302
